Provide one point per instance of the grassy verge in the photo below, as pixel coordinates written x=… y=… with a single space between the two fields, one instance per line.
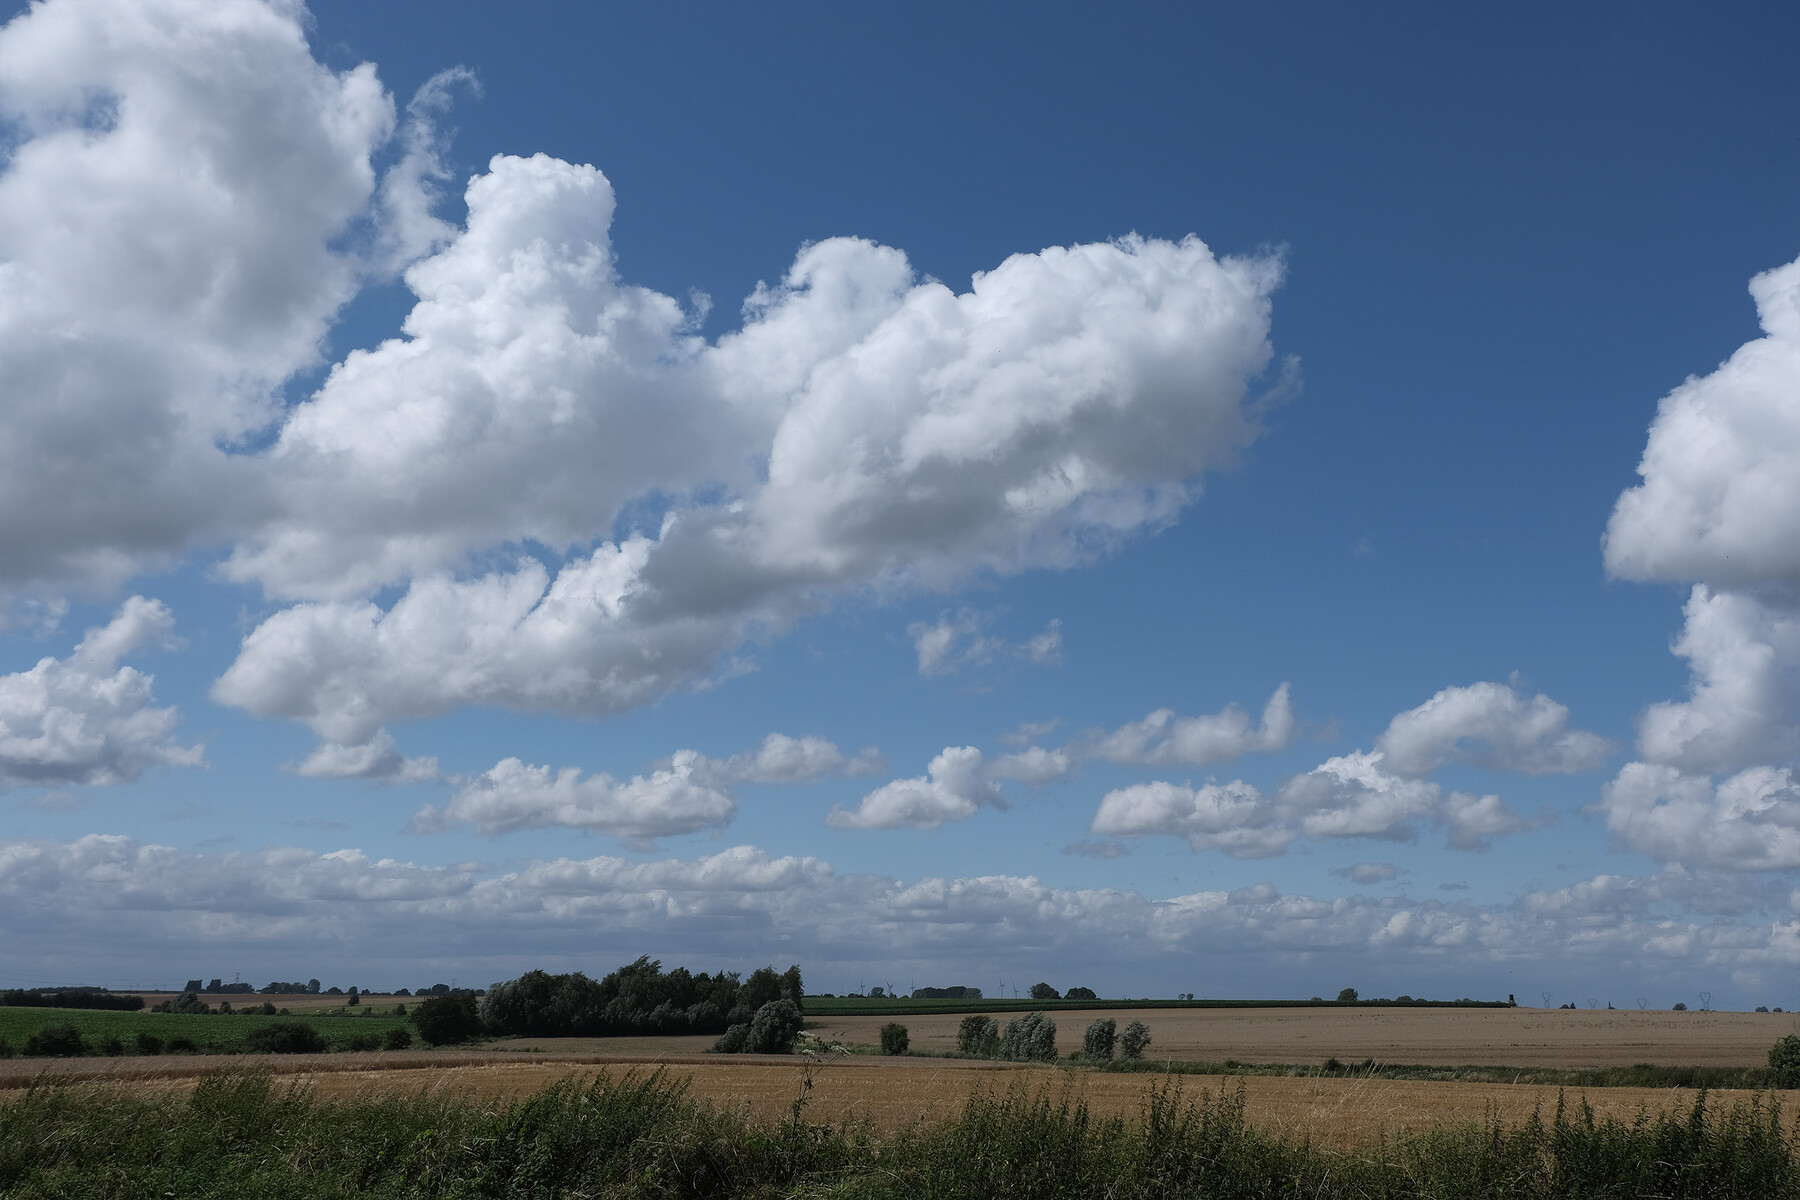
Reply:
x=221 y=1033
x=641 y=1135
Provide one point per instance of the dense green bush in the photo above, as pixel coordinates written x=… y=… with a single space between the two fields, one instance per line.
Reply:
x=1099 y=1039
x=771 y=1031
x=1030 y=1038
x=1134 y=1040
x=182 y=1044
x=363 y=1042
x=1080 y=993
x=1784 y=1062
x=979 y=1036
x=447 y=1020
x=1347 y=996
x=285 y=1037
x=148 y=1043
x=639 y=998
x=56 y=1041
x=1043 y=991
x=894 y=1038
x=398 y=1039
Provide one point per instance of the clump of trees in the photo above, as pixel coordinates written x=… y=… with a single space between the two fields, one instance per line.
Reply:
x=1030 y=1038
x=979 y=1036
x=285 y=1037
x=637 y=999
x=1134 y=1041
x=447 y=1020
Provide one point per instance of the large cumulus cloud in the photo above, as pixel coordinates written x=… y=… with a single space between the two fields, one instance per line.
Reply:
x=1719 y=508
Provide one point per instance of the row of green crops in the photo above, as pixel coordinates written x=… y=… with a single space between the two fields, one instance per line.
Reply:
x=222 y=1033
x=642 y=1136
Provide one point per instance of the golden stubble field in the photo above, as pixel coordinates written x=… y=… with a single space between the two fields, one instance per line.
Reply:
x=894 y=1092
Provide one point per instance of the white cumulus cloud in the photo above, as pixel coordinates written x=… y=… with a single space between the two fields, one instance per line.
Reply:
x=1749 y=821
x=1163 y=738
x=1233 y=817
x=86 y=719
x=512 y=796
x=1493 y=725
x=954 y=788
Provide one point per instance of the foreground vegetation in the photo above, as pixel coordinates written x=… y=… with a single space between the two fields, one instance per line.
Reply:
x=641 y=1135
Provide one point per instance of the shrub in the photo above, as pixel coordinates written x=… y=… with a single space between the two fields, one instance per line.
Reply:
x=6 y=1050
x=893 y=1038
x=182 y=1044
x=111 y=1046
x=284 y=1037
x=1043 y=991
x=148 y=1043
x=446 y=1020
x=1679 y=1007
x=398 y=1039
x=56 y=1041
x=771 y=1031
x=1030 y=1038
x=1080 y=993
x=733 y=1040
x=363 y=1042
x=1347 y=996
x=1099 y=1039
x=978 y=1035
x=1784 y=1061
x=1133 y=1041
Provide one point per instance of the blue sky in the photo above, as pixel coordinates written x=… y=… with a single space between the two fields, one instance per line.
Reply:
x=549 y=489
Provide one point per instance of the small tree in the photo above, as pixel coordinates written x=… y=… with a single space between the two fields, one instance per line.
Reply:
x=978 y=1035
x=148 y=1043
x=1134 y=1040
x=1100 y=1038
x=1784 y=1062
x=398 y=1038
x=893 y=1038
x=56 y=1041
x=1043 y=991
x=771 y=1031
x=1080 y=993
x=1030 y=1038
x=1679 y=1007
x=1347 y=996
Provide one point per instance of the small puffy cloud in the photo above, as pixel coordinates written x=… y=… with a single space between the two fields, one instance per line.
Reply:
x=1233 y=817
x=1492 y=725
x=1749 y=821
x=1033 y=766
x=1473 y=822
x=1368 y=873
x=1163 y=738
x=955 y=787
x=375 y=760
x=512 y=796
x=86 y=719
x=1353 y=795
x=783 y=759
x=953 y=642
x=1720 y=498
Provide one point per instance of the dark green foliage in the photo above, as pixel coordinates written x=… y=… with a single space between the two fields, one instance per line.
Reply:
x=636 y=999
x=642 y=1136
x=1080 y=993
x=1679 y=1007
x=1784 y=1062
x=6 y=1050
x=1030 y=1038
x=1043 y=991
x=1134 y=1040
x=364 y=1042
x=771 y=1031
x=1100 y=1038
x=284 y=1037
x=182 y=1045
x=447 y=1020
x=72 y=999
x=397 y=1039
x=979 y=1036
x=1347 y=996
x=148 y=1043
x=187 y=1002
x=894 y=1039
x=56 y=1041
x=111 y=1046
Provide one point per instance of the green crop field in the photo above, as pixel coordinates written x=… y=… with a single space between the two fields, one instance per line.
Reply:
x=221 y=1033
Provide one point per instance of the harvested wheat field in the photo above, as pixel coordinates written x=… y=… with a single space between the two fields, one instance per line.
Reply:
x=894 y=1093
x=1439 y=1037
